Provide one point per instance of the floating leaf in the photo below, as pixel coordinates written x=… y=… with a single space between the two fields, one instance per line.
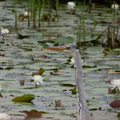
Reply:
x=73 y=91
x=44 y=41
x=43 y=56
x=56 y=73
x=48 y=17
x=64 y=40
x=1 y=68
x=24 y=98
x=114 y=72
x=118 y=114
x=115 y=103
x=32 y=114
x=20 y=36
x=43 y=112
x=90 y=38
x=88 y=66
x=2 y=55
x=67 y=84
x=112 y=91
x=108 y=51
x=21 y=17
x=1 y=95
x=22 y=82
x=39 y=72
x=9 y=67
x=27 y=49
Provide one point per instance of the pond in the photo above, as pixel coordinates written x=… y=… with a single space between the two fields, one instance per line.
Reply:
x=56 y=98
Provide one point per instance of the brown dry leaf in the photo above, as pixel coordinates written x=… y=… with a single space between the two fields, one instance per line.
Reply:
x=115 y=103
x=56 y=73
x=111 y=91
x=22 y=82
x=2 y=55
x=108 y=81
x=21 y=18
x=39 y=72
x=57 y=103
x=115 y=72
x=32 y=114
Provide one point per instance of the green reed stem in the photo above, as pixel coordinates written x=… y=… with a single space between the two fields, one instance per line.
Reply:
x=34 y=13
x=15 y=13
x=28 y=7
x=39 y=11
x=57 y=2
x=43 y=4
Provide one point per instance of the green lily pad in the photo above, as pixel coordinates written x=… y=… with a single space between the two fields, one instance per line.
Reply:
x=68 y=84
x=20 y=36
x=64 y=40
x=24 y=98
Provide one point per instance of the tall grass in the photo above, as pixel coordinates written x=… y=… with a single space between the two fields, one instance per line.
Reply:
x=39 y=12
x=28 y=7
x=43 y=8
x=57 y=2
x=15 y=13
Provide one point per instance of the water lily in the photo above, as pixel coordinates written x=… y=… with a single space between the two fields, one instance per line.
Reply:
x=38 y=80
x=4 y=31
x=71 y=5
x=116 y=83
x=26 y=14
x=72 y=61
x=115 y=6
x=4 y=116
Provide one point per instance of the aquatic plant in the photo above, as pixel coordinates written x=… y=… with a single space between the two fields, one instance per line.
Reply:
x=39 y=12
x=115 y=6
x=4 y=116
x=71 y=6
x=38 y=80
x=43 y=8
x=57 y=2
x=4 y=32
x=116 y=83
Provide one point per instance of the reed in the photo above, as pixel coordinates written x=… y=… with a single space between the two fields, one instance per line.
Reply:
x=28 y=7
x=43 y=8
x=34 y=12
x=39 y=12
x=57 y=2
x=15 y=13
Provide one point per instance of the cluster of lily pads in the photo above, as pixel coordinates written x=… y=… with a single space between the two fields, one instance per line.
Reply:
x=37 y=79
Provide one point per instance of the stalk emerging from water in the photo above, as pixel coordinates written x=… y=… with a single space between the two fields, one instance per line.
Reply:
x=43 y=4
x=57 y=2
x=39 y=11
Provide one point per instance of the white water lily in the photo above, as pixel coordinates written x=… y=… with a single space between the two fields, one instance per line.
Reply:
x=4 y=116
x=115 y=6
x=73 y=61
x=4 y=31
x=38 y=80
x=116 y=83
x=27 y=14
x=71 y=5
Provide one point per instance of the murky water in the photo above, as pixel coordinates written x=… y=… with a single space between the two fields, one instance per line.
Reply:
x=23 y=57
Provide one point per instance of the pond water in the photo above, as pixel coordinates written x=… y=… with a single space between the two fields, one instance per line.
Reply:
x=20 y=58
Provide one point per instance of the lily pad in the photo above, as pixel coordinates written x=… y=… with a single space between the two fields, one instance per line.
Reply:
x=64 y=40
x=24 y=98
x=20 y=36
